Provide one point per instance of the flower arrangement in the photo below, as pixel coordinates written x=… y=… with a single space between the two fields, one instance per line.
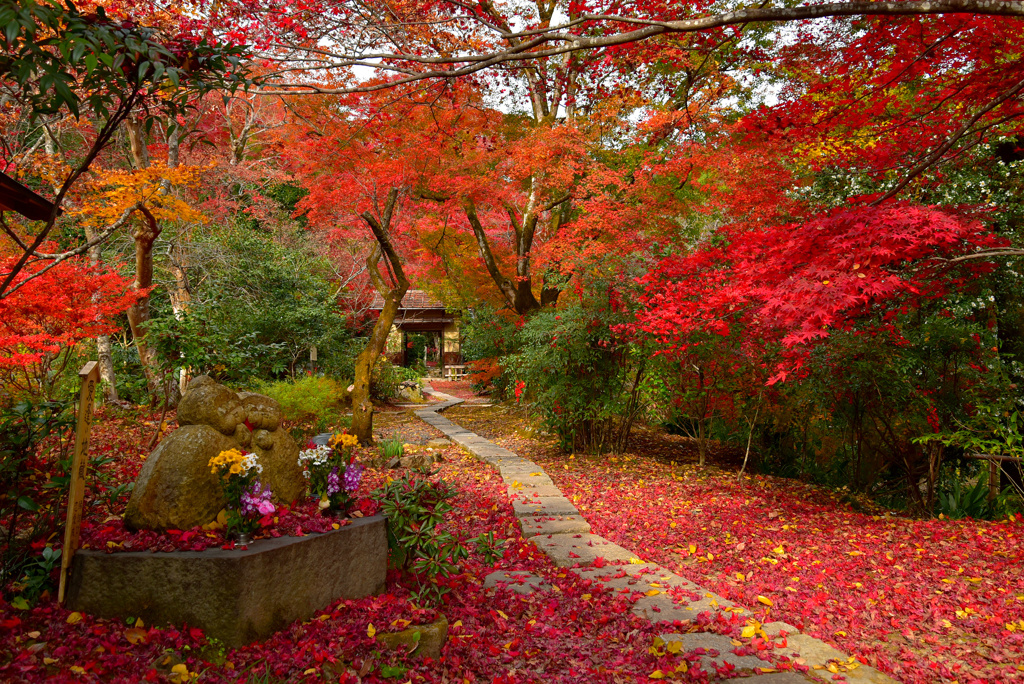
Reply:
x=332 y=472
x=248 y=501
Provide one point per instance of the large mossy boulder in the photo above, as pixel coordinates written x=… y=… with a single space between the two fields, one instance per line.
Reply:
x=176 y=488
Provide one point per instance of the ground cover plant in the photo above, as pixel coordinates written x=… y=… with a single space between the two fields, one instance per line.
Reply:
x=924 y=600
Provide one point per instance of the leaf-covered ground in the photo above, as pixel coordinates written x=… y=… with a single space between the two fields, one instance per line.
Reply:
x=572 y=633
x=923 y=600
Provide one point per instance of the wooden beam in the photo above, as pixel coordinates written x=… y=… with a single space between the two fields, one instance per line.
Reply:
x=16 y=197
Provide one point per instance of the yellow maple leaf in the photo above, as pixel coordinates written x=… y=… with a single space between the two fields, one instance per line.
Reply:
x=765 y=601
x=371 y=631
x=74 y=618
x=657 y=674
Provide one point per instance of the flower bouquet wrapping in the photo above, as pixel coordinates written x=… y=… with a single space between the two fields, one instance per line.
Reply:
x=248 y=502
x=332 y=472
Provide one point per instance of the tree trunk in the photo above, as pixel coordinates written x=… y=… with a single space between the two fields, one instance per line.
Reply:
x=158 y=382
x=138 y=313
x=362 y=405
x=104 y=356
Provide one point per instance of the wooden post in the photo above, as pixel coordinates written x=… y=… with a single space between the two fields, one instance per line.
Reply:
x=89 y=375
x=993 y=479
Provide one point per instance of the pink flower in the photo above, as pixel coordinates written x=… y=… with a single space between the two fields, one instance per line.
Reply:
x=266 y=508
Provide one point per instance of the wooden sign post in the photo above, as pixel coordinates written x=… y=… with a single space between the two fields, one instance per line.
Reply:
x=89 y=375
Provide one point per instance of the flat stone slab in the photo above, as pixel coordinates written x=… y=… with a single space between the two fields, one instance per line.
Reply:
x=554 y=524
x=775 y=629
x=640 y=577
x=718 y=651
x=520 y=469
x=519 y=581
x=534 y=479
x=549 y=505
x=527 y=493
x=565 y=550
x=235 y=596
x=781 y=678
x=817 y=652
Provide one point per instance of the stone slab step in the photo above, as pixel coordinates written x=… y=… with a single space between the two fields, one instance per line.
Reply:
x=549 y=505
x=528 y=480
x=554 y=524
x=521 y=491
x=566 y=550
x=519 y=581
x=719 y=652
x=816 y=652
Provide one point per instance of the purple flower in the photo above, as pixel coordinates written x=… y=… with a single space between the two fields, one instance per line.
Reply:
x=353 y=474
x=256 y=500
x=333 y=483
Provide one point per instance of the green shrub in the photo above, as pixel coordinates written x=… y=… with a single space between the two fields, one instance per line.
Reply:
x=387 y=377
x=309 y=397
x=415 y=508
x=586 y=382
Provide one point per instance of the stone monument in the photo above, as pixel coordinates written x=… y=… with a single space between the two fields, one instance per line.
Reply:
x=176 y=490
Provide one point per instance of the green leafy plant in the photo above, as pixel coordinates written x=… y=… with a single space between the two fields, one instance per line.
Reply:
x=966 y=502
x=37 y=576
x=23 y=428
x=586 y=382
x=308 y=397
x=392 y=447
x=387 y=377
x=415 y=508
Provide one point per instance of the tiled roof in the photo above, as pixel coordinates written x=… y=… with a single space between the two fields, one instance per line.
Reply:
x=413 y=299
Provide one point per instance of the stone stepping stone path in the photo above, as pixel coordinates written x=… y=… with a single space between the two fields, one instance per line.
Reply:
x=555 y=526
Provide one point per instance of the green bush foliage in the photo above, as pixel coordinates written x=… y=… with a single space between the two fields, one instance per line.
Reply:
x=308 y=397
x=586 y=382
x=387 y=377
x=415 y=507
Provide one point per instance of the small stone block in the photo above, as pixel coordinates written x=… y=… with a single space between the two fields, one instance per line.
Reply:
x=774 y=629
x=550 y=505
x=569 y=549
x=524 y=493
x=554 y=524
x=528 y=480
x=780 y=678
x=236 y=596
x=715 y=642
x=519 y=581
x=427 y=645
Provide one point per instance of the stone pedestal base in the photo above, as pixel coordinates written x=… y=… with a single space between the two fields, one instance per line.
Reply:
x=234 y=596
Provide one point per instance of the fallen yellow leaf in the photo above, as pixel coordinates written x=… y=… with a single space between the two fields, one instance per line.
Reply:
x=657 y=674
x=371 y=631
x=765 y=601
x=74 y=618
